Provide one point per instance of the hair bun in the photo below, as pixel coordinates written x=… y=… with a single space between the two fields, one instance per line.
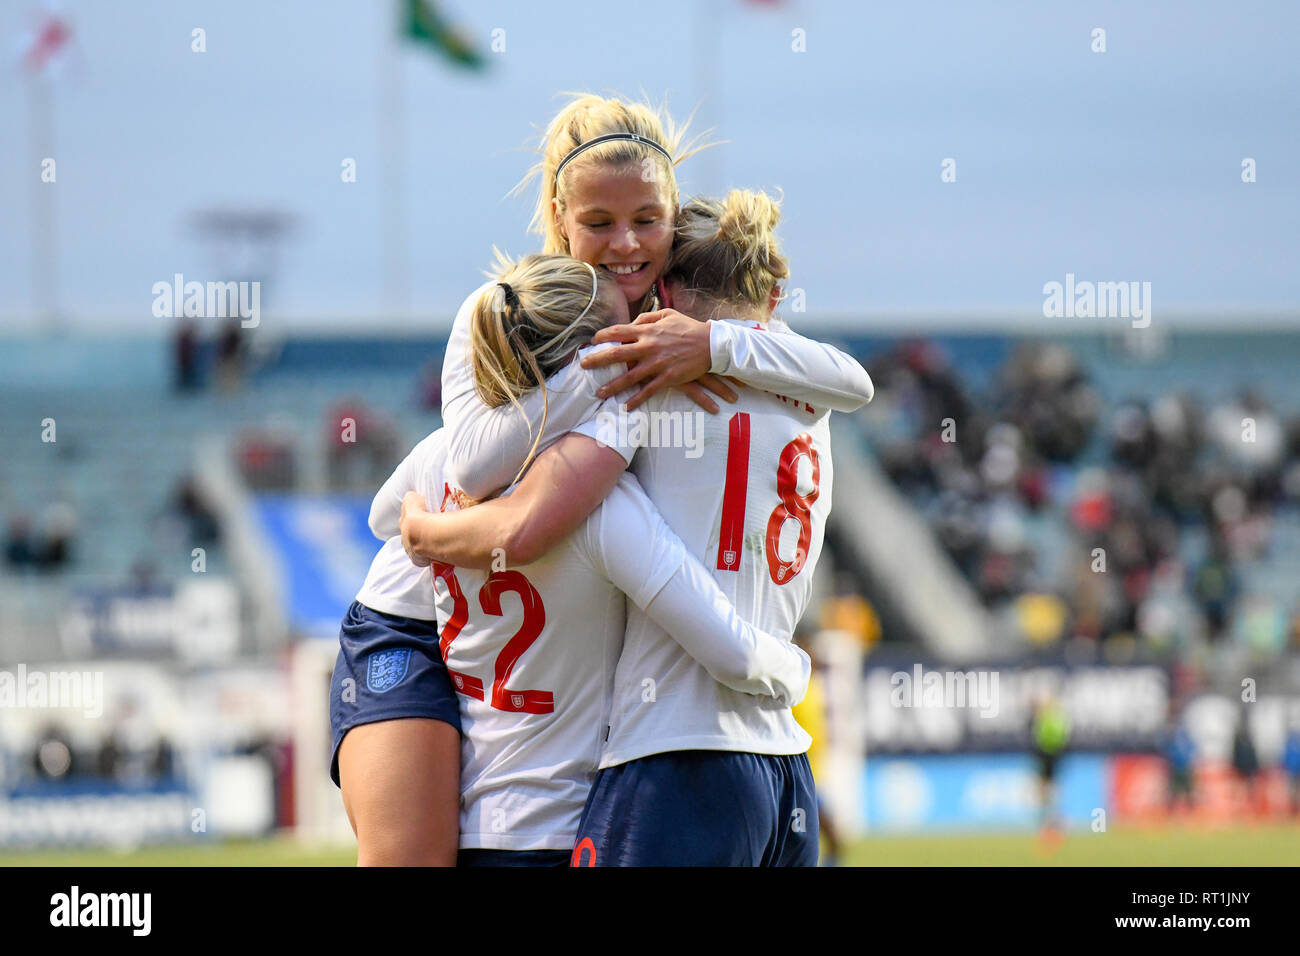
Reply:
x=748 y=222
x=727 y=249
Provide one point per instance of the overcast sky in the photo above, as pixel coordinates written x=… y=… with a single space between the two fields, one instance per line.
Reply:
x=1115 y=166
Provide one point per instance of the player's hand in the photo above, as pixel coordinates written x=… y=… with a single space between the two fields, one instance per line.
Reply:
x=662 y=349
x=413 y=513
x=698 y=391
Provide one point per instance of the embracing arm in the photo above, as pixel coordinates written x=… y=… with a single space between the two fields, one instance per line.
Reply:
x=644 y=558
x=667 y=348
x=386 y=508
x=563 y=486
x=790 y=364
x=486 y=447
x=692 y=608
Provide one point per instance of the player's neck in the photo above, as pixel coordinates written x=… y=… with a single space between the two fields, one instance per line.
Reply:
x=732 y=310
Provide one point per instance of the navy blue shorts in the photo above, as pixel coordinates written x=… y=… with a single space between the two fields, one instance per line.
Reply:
x=388 y=667
x=480 y=857
x=701 y=808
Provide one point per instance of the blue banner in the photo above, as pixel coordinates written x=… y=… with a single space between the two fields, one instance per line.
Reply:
x=993 y=791
x=324 y=547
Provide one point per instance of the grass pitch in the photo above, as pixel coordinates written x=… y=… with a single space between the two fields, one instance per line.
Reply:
x=1272 y=845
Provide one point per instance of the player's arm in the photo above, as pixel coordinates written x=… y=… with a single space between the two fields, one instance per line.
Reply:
x=563 y=486
x=668 y=348
x=486 y=447
x=644 y=557
x=386 y=508
x=792 y=365
x=692 y=608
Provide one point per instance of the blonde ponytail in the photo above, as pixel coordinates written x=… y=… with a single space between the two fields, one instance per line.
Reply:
x=527 y=327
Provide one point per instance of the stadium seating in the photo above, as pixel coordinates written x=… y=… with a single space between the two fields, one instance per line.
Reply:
x=124 y=442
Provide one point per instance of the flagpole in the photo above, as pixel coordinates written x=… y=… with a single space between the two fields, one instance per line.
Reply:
x=40 y=136
x=394 y=236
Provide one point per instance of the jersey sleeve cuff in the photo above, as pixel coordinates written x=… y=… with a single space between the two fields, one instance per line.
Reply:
x=608 y=427
x=720 y=347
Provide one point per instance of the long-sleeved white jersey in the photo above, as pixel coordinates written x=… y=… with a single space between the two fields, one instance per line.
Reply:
x=487 y=446
x=749 y=495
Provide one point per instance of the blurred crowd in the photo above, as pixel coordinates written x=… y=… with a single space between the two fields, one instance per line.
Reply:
x=40 y=546
x=1093 y=516
x=225 y=361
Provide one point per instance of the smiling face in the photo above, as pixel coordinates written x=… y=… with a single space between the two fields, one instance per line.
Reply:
x=618 y=222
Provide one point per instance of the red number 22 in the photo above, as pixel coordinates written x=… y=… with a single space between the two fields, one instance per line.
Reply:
x=489 y=598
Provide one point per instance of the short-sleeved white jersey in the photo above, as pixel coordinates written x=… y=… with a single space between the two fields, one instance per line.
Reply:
x=393 y=584
x=748 y=492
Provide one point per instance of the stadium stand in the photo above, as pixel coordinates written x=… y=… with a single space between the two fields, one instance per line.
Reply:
x=1049 y=436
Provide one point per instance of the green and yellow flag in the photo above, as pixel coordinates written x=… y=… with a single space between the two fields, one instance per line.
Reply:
x=423 y=21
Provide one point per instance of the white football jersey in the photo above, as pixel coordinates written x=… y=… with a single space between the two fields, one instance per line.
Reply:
x=393 y=584
x=486 y=447
x=748 y=492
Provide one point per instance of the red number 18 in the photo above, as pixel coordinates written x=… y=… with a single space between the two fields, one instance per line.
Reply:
x=793 y=505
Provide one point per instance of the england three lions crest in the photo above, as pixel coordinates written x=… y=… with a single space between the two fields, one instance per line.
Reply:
x=386 y=669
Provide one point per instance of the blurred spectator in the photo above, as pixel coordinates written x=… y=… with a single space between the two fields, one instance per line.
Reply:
x=1042 y=617
x=1180 y=754
x=364 y=446
x=1215 y=587
x=201 y=524
x=142 y=578
x=133 y=751
x=849 y=611
x=1245 y=762
x=1249 y=434
x=1045 y=393
x=53 y=757
x=1260 y=624
x=267 y=460
x=1091 y=510
x=1291 y=765
x=187 y=355
x=55 y=550
x=230 y=356
x=956 y=520
x=1049 y=732
x=1165 y=618
x=20 y=550
x=51 y=549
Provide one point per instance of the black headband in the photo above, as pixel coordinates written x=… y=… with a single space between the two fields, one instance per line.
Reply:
x=610 y=138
